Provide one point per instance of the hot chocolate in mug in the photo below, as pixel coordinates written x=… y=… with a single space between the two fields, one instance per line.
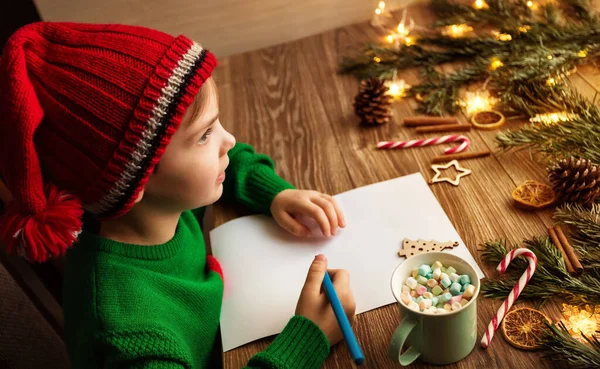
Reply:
x=434 y=338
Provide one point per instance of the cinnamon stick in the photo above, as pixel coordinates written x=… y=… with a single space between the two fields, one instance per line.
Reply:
x=444 y=128
x=425 y=120
x=568 y=250
x=558 y=245
x=461 y=156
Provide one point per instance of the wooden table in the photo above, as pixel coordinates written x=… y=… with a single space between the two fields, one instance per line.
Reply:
x=290 y=103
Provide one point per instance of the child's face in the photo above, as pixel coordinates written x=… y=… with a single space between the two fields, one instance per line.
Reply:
x=192 y=169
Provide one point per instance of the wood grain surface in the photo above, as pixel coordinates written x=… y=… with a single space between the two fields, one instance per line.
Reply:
x=290 y=103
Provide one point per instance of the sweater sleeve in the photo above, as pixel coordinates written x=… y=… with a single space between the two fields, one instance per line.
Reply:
x=143 y=349
x=301 y=345
x=251 y=179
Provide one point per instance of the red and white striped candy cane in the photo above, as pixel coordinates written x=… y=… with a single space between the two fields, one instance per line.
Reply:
x=514 y=294
x=429 y=141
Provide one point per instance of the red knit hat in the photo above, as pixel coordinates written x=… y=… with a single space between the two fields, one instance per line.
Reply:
x=96 y=105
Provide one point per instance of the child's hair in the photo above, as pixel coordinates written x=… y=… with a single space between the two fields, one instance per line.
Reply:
x=202 y=100
x=99 y=104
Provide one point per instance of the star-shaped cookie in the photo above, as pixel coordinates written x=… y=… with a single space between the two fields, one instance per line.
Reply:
x=438 y=175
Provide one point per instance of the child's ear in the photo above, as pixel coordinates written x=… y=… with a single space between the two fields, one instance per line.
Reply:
x=140 y=196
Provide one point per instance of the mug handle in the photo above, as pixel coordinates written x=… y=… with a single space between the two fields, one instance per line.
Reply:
x=400 y=335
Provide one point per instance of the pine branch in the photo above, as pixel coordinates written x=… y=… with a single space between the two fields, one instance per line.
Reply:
x=575 y=137
x=566 y=352
x=585 y=224
x=550 y=279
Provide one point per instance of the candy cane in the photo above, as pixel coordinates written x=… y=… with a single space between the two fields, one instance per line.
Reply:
x=514 y=294
x=429 y=141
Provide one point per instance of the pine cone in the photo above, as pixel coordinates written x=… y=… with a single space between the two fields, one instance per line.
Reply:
x=372 y=104
x=575 y=181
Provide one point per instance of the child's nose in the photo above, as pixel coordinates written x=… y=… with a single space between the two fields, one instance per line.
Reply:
x=228 y=143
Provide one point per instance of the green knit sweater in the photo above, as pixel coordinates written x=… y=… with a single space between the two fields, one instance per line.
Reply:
x=151 y=307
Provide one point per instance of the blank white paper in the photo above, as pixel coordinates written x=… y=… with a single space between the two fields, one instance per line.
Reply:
x=265 y=266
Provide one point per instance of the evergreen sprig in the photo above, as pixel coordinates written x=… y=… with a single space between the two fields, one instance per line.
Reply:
x=567 y=352
x=585 y=235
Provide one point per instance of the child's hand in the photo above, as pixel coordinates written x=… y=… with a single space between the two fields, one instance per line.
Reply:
x=314 y=305
x=289 y=204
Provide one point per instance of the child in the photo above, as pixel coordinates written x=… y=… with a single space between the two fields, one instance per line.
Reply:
x=124 y=122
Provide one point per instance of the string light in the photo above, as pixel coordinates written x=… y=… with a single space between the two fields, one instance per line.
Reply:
x=549 y=57
x=524 y=29
x=552 y=118
x=582 y=53
x=456 y=30
x=495 y=64
x=480 y=4
x=377 y=59
x=402 y=30
x=382 y=17
x=475 y=102
x=401 y=34
x=502 y=36
x=581 y=320
x=551 y=82
x=398 y=89
x=530 y=4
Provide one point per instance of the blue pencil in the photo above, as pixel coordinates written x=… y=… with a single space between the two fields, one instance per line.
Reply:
x=342 y=319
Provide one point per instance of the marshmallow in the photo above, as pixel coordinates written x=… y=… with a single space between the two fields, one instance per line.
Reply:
x=435 y=301
x=413 y=306
x=414 y=293
x=415 y=273
x=437 y=290
x=405 y=288
x=421 y=280
x=424 y=304
x=421 y=290
x=450 y=270
x=405 y=297
x=454 y=278
x=447 y=307
x=469 y=291
x=455 y=289
x=411 y=282
x=456 y=306
x=436 y=265
x=432 y=283
x=464 y=279
x=441 y=311
x=446 y=282
x=419 y=299
x=428 y=295
x=437 y=273
x=463 y=302
x=455 y=299
x=445 y=297
x=424 y=270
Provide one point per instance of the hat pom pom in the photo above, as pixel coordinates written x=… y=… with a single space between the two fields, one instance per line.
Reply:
x=45 y=234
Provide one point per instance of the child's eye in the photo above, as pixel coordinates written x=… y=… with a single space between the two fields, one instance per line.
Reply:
x=205 y=136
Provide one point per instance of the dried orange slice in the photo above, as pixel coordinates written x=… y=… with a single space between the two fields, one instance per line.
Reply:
x=524 y=328
x=488 y=119
x=533 y=195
